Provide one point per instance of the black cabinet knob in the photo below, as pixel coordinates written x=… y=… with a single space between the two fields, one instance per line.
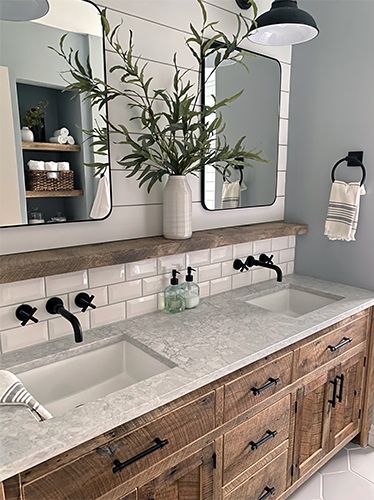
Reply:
x=84 y=301
x=25 y=313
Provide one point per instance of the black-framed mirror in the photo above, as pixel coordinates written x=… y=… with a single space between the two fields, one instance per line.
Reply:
x=47 y=156
x=255 y=115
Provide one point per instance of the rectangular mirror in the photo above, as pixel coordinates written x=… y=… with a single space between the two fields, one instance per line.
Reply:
x=48 y=172
x=255 y=115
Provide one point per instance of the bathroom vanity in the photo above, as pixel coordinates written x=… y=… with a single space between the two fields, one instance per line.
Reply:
x=252 y=419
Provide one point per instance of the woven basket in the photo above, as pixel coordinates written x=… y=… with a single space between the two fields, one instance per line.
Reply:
x=38 y=180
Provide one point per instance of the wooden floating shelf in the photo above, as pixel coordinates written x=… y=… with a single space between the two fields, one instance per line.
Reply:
x=50 y=146
x=54 y=194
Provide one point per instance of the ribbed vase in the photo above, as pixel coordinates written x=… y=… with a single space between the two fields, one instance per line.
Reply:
x=177 y=209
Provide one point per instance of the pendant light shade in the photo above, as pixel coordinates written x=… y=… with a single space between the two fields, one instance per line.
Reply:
x=23 y=10
x=284 y=24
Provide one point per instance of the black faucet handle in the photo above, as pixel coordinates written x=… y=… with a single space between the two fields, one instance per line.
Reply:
x=265 y=259
x=84 y=301
x=239 y=265
x=25 y=313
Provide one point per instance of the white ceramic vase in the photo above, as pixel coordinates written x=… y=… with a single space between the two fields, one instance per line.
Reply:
x=27 y=134
x=177 y=210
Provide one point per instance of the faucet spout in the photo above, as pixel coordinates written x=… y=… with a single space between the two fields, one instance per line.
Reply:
x=56 y=306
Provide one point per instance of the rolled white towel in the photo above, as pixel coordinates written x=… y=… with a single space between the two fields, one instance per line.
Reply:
x=63 y=166
x=60 y=139
x=35 y=165
x=13 y=392
x=71 y=140
x=61 y=131
x=51 y=166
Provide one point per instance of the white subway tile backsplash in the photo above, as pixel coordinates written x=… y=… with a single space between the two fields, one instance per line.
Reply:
x=287 y=255
x=220 y=285
x=107 y=314
x=62 y=283
x=155 y=284
x=21 y=291
x=290 y=267
x=292 y=241
x=170 y=262
x=141 y=269
x=242 y=250
x=259 y=275
x=198 y=258
x=60 y=327
x=228 y=268
x=106 y=275
x=124 y=291
x=221 y=254
x=279 y=243
x=24 y=336
x=211 y=272
x=143 y=305
x=100 y=293
x=242 y=279
x=261 y=246
x=204 y=289
x=281 y=184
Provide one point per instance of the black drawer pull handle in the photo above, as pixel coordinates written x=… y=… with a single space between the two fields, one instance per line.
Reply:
x=268 y=435
x=340 y=395
x=271 y=381
x=334 y=391
x=342 y=343
x=118 y=465
x=268 y=492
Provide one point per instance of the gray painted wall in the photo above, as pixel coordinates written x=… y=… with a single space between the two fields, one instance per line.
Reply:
x=332 y=112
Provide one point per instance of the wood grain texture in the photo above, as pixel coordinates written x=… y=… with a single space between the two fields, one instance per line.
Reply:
x=22 y=266
x=238 y=454
x=54 y=194
x=238 y=394
x=50 y=146
x=368 y=392
x=272 y=475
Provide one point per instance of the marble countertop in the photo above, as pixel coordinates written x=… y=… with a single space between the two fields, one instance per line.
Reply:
x=221 y=336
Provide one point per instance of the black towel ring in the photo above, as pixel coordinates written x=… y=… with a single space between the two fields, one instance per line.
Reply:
x=354 y=160
x=237 y=167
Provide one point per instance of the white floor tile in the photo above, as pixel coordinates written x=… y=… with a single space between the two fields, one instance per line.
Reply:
x=362 y=462
x=346 y=486
x=311 y=490
x=338 y=464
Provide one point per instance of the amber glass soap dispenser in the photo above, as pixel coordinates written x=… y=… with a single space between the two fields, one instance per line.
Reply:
x=174 y=295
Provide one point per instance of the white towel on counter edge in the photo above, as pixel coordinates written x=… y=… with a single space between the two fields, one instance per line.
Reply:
x=343 y=211
x=13 y=392
x=231 y=194
x=102 y=202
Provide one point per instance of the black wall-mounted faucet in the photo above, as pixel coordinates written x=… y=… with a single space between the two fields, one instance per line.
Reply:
x=263 y=261
x=55 y=305
x=25 y=313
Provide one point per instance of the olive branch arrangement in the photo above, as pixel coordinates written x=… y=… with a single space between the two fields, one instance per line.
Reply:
x=178 y=135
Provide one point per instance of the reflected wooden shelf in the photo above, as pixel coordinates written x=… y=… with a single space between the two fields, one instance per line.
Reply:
x=54 y=194
x=49 y=146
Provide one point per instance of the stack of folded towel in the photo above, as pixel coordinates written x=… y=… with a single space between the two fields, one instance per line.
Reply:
x=13 y=392
x=62 y=136
x=51 y=166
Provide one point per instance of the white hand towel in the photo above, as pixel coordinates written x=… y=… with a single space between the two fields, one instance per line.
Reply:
x=13 y=392
x=51 y=166
x=343 y=211
x=63 y=166
x=231 y=194
x=70 y=140
x=35 y=165
x=61 y=131
x=102 y=202
x=59 y=139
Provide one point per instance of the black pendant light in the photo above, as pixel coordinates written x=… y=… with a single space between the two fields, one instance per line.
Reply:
x=23 y=10
x=283 y=24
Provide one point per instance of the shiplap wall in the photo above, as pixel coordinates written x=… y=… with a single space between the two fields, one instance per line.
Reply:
x=160 y=28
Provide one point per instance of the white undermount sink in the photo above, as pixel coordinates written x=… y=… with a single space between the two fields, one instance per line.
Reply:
x=293 y=302
x=71 y=382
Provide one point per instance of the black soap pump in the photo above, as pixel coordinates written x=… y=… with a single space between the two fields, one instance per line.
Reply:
x=191 y=290
x=174 y=296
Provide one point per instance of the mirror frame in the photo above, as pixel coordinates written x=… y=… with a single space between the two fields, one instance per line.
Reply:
x=56 y=224
x=202 y=81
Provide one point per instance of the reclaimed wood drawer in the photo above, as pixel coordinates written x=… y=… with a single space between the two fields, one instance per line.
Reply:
x=268 y=482
x=331 y=345
x=105 y=468
x=252 y=440
x=252 y=388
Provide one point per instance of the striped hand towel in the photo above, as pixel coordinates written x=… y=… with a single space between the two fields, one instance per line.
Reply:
x=13 y=392
x=231 y=194
x=343 y=211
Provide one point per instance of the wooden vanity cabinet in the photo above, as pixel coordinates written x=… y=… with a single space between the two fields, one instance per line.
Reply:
x=255 y=434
